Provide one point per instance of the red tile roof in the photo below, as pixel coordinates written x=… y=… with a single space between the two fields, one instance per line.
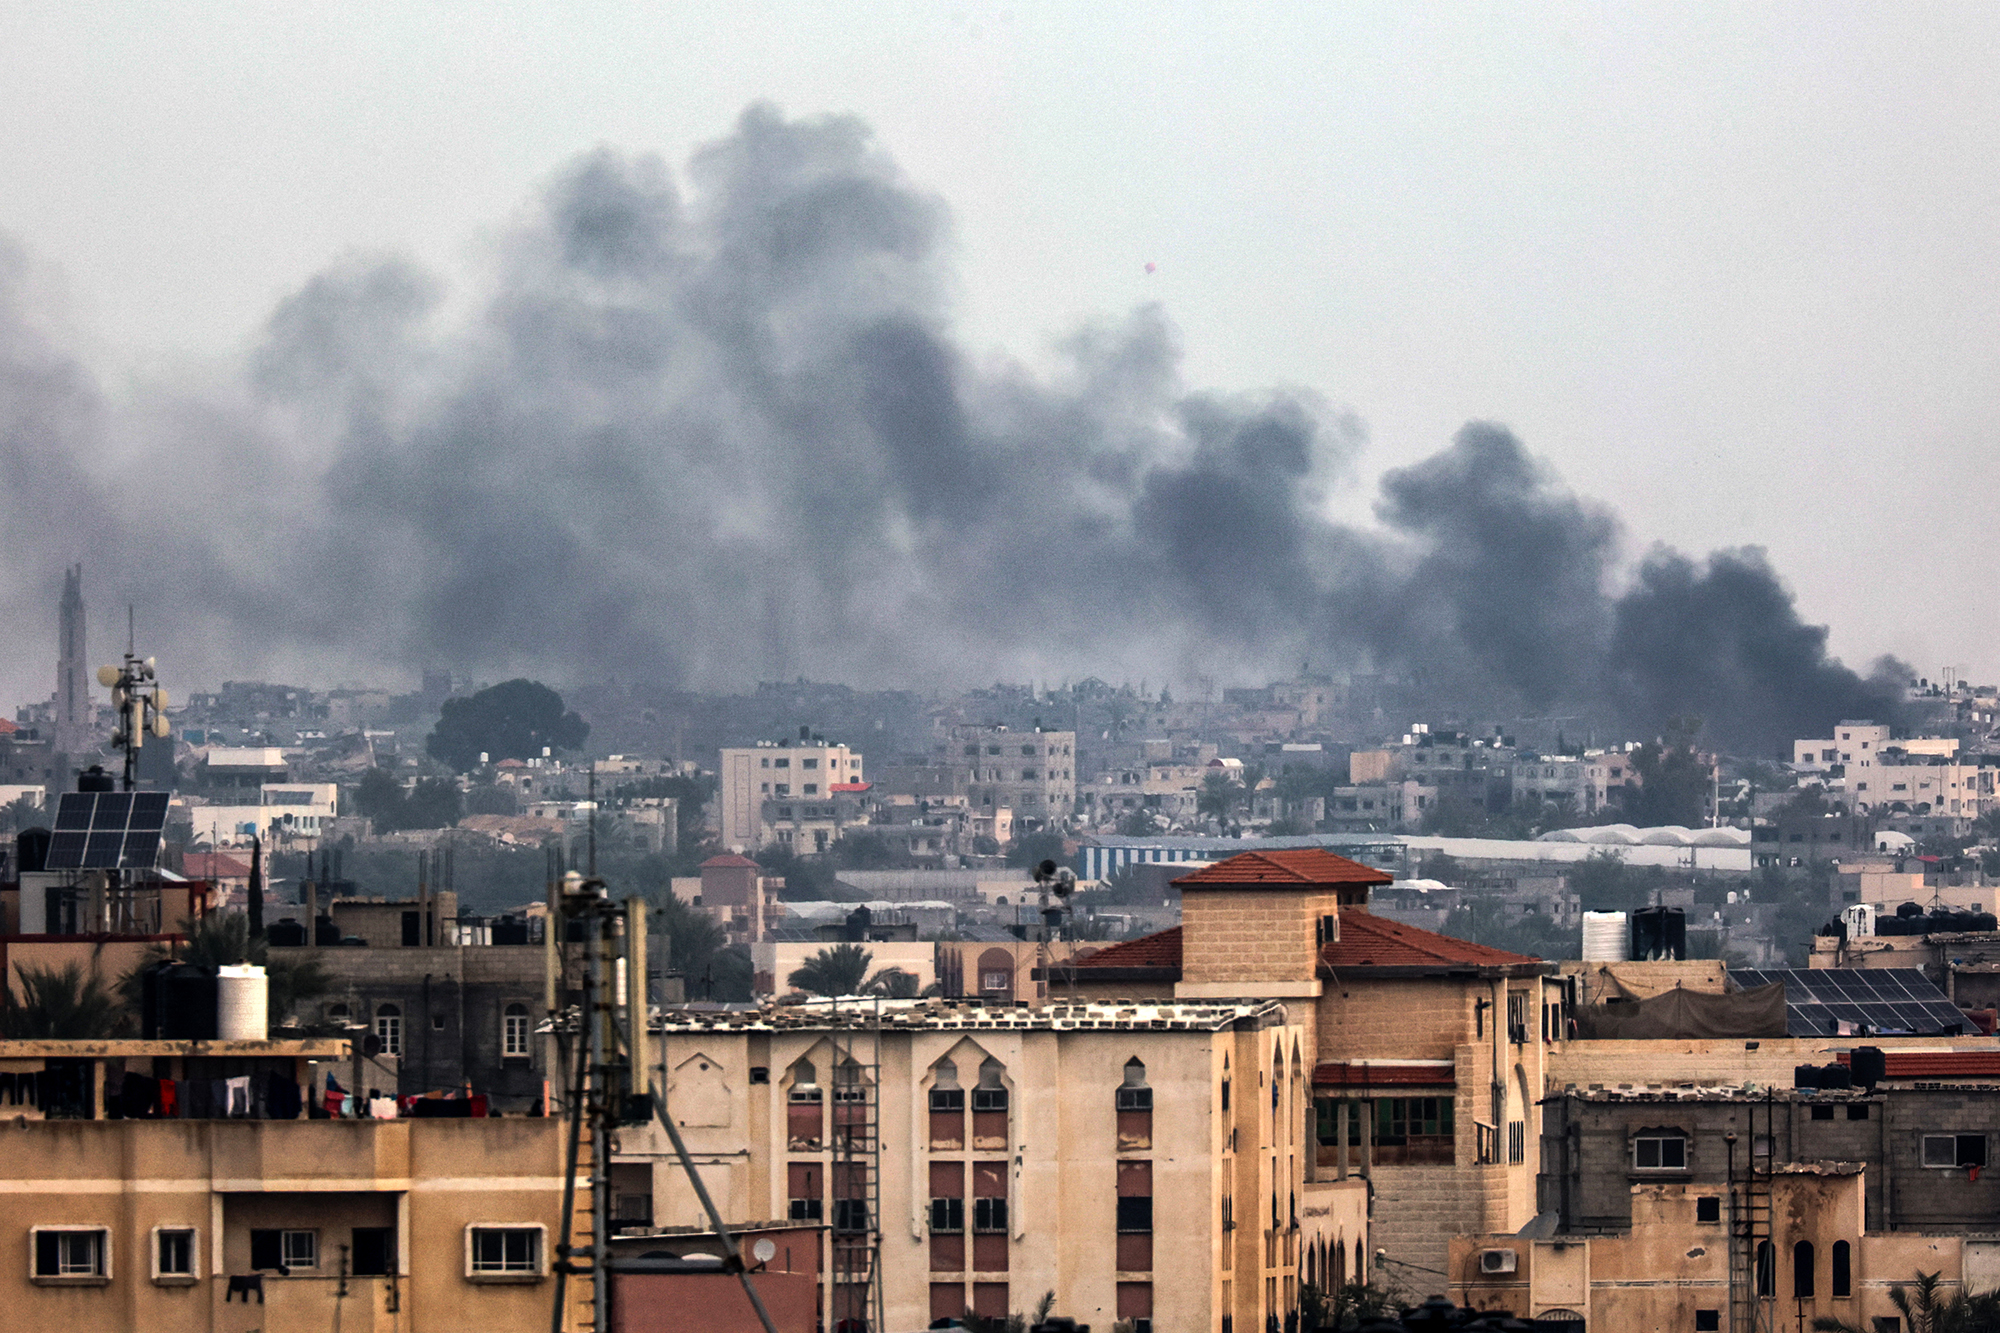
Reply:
x=1365 y=940
x=1161 y=949
x=1938 y=1064
x=1302 y=865
x=7 y=728
x=728 y=859
x=849 y=786
x=213 y=865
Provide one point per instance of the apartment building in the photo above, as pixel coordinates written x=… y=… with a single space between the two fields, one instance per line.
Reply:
x=802 y=793
x=227 y=1225
x=1428 y=1051
x=1032 y=773
x=1141 y=1160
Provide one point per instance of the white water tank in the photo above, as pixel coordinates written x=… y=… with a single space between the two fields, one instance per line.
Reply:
x=242 y=1003
x=1607 y=938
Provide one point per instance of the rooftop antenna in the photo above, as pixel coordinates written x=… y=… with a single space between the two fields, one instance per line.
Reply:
x=593 y=820
x=141 y=703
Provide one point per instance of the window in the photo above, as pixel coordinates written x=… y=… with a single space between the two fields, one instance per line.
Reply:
x=1135 y=1099
x=503 y=1253
x=989 y=1099
x=1660 y=1151
x=807 y=1210
x=389 y=1028
x=1954 y=1150
x=1802 y=1271
x=1707 y=1321
x=1822 y=1113
x=373 y=1251
x=808 y=763
x=284 y=1250
x=948 y=1216
x=1400 y=1119
x=1135 y=1214
x=514 y=1032
x=947 y=1099
x=173 y=1253
x=1843 y=1271
x=80 y=1255
x=850 y=1215
x=1767 y=1269
x=1517 y=1141
x=989 y=1215
x=1857 y=1110
x=1708 y=1209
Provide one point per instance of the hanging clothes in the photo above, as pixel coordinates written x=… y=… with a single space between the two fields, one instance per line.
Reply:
x=382 y=1108
x=170 y=1099
x=237 y=1095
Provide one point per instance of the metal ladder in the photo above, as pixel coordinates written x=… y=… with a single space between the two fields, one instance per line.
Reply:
x=1751 y=1304
x=857 y=1177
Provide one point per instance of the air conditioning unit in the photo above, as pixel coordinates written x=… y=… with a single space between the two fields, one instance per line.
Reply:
x=1498 y=1261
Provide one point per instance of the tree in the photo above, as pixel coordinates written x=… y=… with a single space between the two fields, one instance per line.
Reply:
x=1674 y=782
x=512 y=720
x=379 y=796
x=223 y=939
x=1926 y=1309
x=1031 y=849
x=840 y=970
x=1220 y=794
x=432 y=803
x=62 y=1004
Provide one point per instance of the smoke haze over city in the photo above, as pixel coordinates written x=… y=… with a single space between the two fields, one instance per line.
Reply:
x=713 y=425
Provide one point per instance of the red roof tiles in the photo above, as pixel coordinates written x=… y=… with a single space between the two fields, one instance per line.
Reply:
x=1937 y=1064
x=1161 y=949
x=1365 y=940
x=728 y=859
x=1301 y=865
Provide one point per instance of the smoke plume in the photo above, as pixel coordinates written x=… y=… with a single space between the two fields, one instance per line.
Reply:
x=716 y=431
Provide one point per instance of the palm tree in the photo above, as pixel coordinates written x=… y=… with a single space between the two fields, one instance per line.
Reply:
x=61 y=1004
x=1929 y=1311
x=841 y=970
x=894 y=983
x=223 y=939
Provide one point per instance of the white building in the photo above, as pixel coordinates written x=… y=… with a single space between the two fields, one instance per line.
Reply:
x=788 y=791
x=285 y=811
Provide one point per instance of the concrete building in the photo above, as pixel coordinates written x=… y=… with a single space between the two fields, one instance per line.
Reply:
x=801 y=793
x=1141 y=1160
x=1852 y=741
x=285 y=813
x=240 y=1224
x=1032 y=773
x=1428 y=1051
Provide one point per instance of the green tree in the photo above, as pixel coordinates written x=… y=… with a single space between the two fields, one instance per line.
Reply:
x=1674 y=782
x=1031 y=849
x=1219 y=797
x=379 y=796
x=223 y=939
x=62 y=1004
x=840 y=970
x=512 y=720
x=1602 y=881
x=1926 y=1309
x=432 y=803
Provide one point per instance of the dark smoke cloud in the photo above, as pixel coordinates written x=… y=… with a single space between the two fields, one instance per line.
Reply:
x=723 y=435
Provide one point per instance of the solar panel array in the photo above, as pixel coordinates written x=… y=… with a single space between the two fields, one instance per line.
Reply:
x=1883 y=1000
x=108 y=830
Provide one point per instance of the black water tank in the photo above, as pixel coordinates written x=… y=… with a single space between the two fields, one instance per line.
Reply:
x=1805 y=1076
x=510 y=930
x=95 y=778
x=287 y=934
x=325 y=933
x=1869 y=1066
x=1659 y=932
x=177 y=1003
x=1836 y=1077
x=31 y=849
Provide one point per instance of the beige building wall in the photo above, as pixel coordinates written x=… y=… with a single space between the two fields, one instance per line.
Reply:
x=429 y=1180
x=752 y=774
x=1061 y=1147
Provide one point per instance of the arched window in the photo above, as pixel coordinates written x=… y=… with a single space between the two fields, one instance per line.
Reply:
x=389 y=1028
x=514 y=1031
x=1843 y=1275
x=1802 y=1271
x=1767 y=1269
x=991 y=1093
x=339 y=1015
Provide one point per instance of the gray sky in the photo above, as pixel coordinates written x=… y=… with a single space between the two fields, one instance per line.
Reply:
x=1729 y=268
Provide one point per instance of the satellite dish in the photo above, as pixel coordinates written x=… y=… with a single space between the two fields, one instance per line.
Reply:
x=371 y=1045
x=764 y=1250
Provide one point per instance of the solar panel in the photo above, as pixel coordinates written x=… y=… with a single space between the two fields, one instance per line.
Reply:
x=107 y=830
x=1819 y=1000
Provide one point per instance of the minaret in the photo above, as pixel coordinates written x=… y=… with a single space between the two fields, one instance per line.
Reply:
x=75 y=734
